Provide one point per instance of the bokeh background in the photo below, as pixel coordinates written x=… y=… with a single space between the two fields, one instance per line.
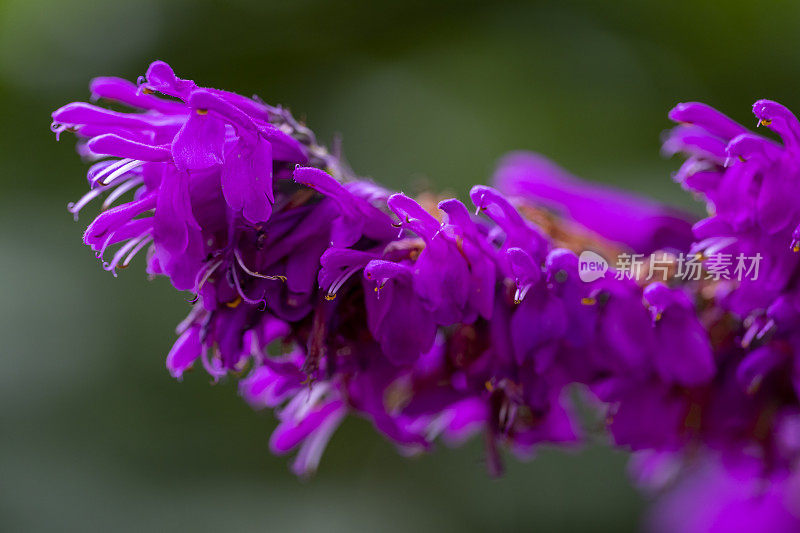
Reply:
x=95 y=435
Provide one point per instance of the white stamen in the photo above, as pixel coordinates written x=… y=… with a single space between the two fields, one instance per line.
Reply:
x=208 y=273
x=120 y=190
x=123 y=251
x=520 y=294
x=305 y=405
x=124 y=169
x=310 y=452
x=142 y=244
x=334 y=288
x=108 y=169
x=437 y=425
x=75 y=207
x=252 y=272
x=238 y=285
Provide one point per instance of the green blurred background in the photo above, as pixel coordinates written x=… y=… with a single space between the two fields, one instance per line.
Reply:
x=95 y=435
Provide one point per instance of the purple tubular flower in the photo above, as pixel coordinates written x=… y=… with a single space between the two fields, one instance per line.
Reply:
x=357 y=216
x=185 y=352
x=540 y=320
x=309 y=423
x=727 y=498
x=510 y=228
x=308 y=417
x=682 y=351
x=642 y=225
x=395 y=314
x=660 y=361
x=443 y=274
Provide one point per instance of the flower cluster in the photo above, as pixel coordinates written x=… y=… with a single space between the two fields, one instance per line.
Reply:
x=336 y=297
x=748 y=182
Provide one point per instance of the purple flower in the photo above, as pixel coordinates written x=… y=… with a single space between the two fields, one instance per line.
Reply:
x=181 y=160
x=620 y=217
x=308 y=416
x=682 y=352
x=660 y=358
x=357 y=216
x=717 y=498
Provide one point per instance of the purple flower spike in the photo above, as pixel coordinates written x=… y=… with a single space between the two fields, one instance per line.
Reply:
x=329 y=296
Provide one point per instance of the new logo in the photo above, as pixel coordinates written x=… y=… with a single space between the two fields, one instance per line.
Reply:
x=591 y=266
